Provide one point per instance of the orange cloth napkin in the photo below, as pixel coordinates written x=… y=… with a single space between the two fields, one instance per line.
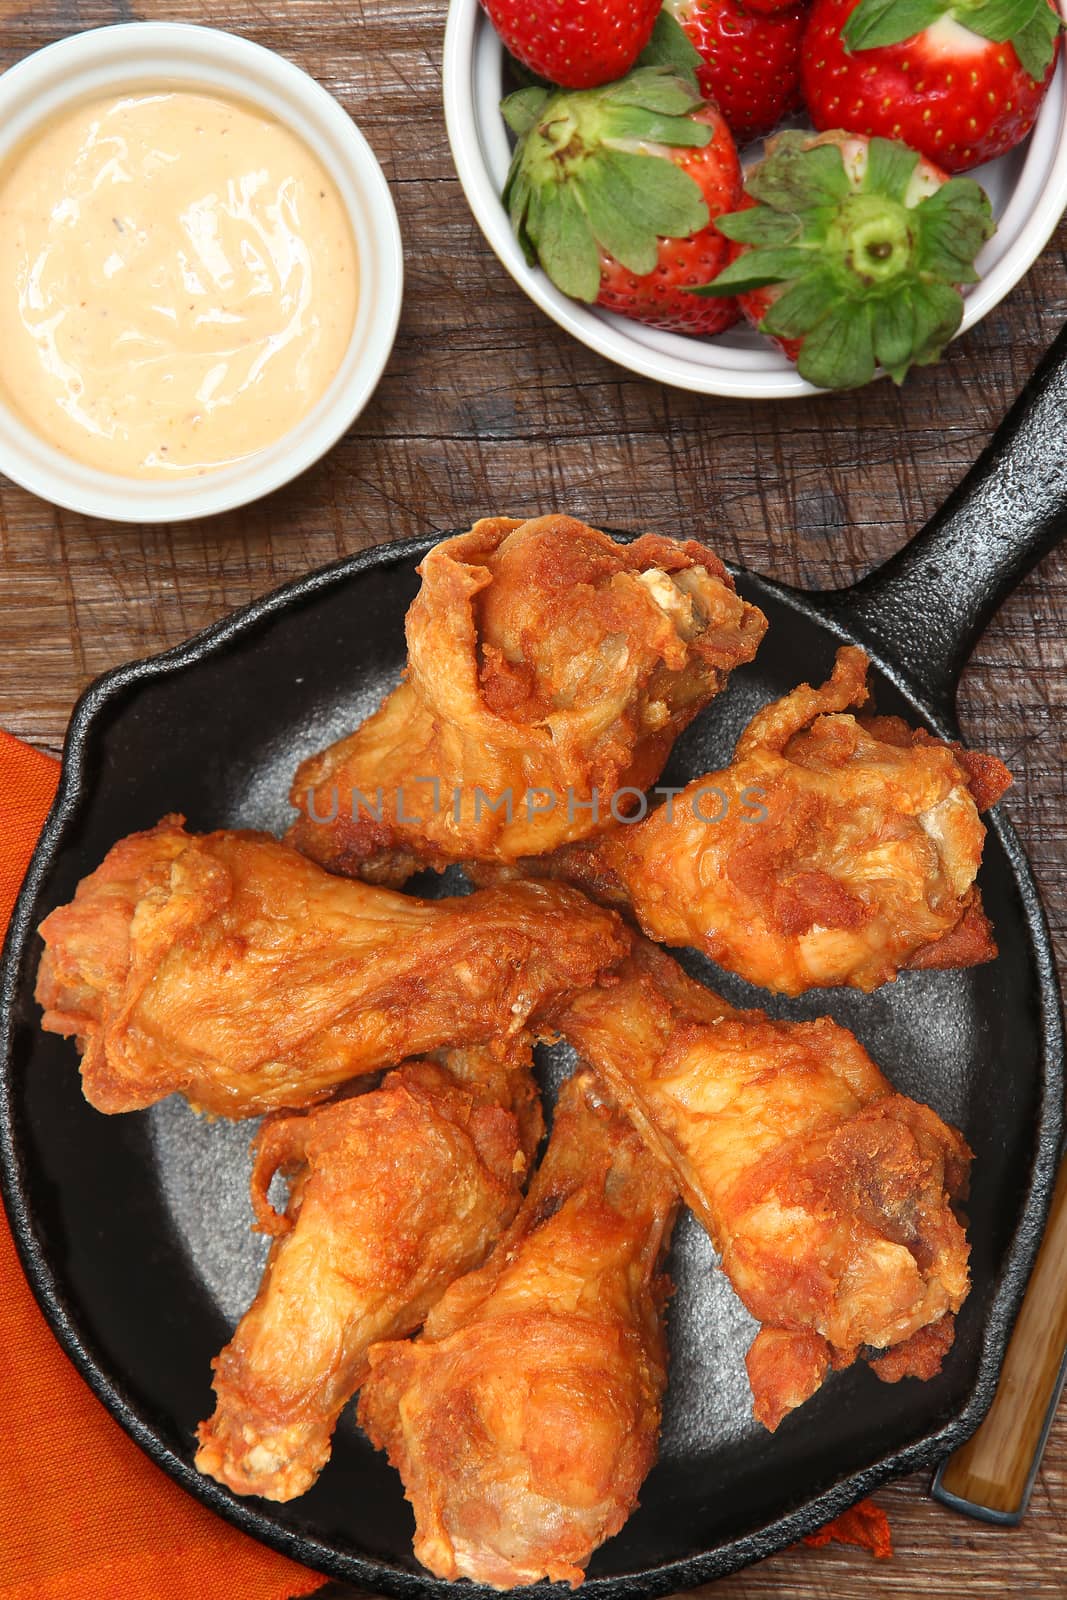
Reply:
x=865 y=1525
x=84 y=1515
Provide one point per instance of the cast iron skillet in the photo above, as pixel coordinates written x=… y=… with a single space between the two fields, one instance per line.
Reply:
x=134 y=1229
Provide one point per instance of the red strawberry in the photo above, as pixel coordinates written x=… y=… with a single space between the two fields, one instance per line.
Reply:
x=575 y=43
x=615 y=190
x=770 y=8
x=959 y=82
x=852 y=253
x=749 y=63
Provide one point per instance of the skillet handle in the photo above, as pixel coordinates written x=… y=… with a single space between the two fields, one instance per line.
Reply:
x=928 y=605
x=991 y=1476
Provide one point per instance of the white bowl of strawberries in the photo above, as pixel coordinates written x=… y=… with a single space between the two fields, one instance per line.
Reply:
x=909 y=181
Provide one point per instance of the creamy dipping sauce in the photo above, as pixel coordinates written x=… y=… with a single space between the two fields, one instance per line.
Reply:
x=178 y=282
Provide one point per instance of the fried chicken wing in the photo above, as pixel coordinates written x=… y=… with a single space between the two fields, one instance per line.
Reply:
x=834 y=849
x=830 y=1197
x=229 y=968
x=545 y=662
x=526 y=1417
x=393 y=1194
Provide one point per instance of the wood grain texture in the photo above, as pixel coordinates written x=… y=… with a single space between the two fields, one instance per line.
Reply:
x=487 y=407
x=993 y=1468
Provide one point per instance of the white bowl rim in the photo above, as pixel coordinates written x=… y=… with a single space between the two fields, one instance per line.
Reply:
x=100 y=60
x=681 y=361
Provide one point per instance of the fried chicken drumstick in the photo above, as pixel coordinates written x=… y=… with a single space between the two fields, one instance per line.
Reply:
x=545 y=661
x=526 y=1417
x=830 y=1197
x=834 y=849
x=393 y=1194
x=228 y=968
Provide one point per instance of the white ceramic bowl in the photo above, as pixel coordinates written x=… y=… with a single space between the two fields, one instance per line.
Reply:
x=110 y=59
x=1027 y=187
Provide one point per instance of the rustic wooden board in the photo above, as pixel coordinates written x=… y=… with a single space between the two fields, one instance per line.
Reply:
x=487 y=407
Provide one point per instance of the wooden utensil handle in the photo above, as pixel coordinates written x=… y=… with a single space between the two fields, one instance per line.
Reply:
x=992 y=1474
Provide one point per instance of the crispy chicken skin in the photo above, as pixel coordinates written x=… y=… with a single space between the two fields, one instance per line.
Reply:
x=526 y=1417
x=830 y=1197
x=836 y=850
x=542 y=658
x=229 y=968
x=393 y=1194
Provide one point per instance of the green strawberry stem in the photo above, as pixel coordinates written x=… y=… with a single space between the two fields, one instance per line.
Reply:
x=1031 y=26
x=870 y=266
x=582 y=179
x=669 y=46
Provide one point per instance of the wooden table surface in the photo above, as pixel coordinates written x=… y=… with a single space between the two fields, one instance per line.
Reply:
x=488 y=407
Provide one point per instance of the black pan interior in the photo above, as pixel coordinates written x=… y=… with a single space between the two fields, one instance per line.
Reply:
x=134 y=1228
